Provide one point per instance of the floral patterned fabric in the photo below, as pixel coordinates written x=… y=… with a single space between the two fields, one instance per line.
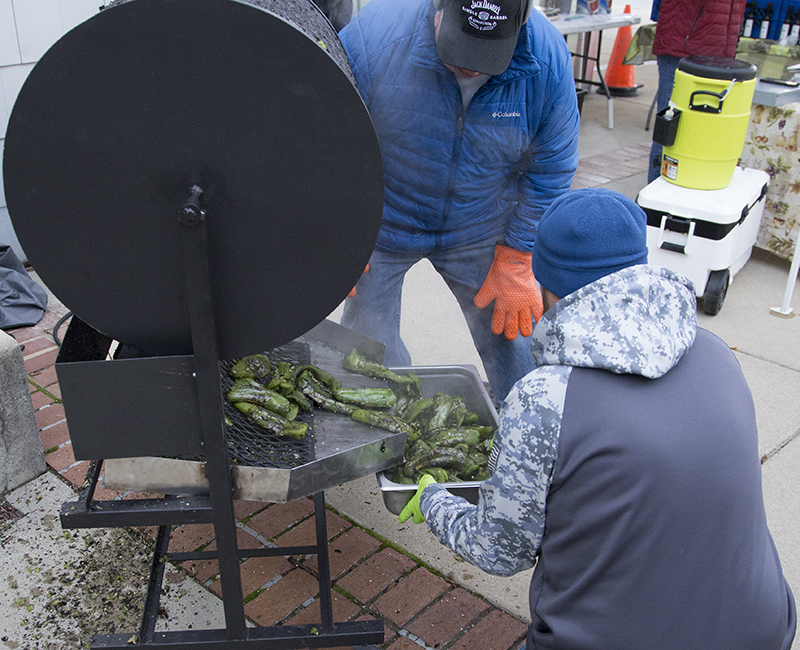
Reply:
x=771 y=144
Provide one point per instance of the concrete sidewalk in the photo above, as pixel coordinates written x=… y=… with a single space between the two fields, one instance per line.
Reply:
x=60 y=586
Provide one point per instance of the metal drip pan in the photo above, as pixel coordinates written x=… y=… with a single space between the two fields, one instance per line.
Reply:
x=465 y=382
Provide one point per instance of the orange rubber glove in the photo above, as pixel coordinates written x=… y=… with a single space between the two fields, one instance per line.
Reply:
x=510 y=283
x=352 y=293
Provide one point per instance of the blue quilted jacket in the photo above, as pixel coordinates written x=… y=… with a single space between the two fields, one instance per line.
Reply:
x=453 y=176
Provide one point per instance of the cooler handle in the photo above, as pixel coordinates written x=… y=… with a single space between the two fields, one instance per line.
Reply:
x=705 y=108
x=683 y=226
x=746 y=209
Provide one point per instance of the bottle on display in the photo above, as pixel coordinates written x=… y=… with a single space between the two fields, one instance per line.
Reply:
x=765 y=22
x=786 y=27
x=749 y=17
x=794 y=25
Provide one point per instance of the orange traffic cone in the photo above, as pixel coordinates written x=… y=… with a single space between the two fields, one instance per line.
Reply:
x=620 y=78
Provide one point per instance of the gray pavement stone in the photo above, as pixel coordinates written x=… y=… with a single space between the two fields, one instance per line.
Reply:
x=745 y=321
x=781 y=484
x=62 y=586
x=775 y=392
x=21 y=455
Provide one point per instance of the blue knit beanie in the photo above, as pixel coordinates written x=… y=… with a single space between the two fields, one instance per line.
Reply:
x=587 y=234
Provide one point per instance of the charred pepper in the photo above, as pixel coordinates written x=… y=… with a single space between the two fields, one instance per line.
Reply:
x=375 y=398
x=416 y=408
x=386 y=421
x=360 y=364
x=442 y=406
x=316 y=392
x=362 y=397
x=256 y=366
x=272 y=422
x=439 y=474
x=252 y=392
x=453 y=436
x=283 y=379
x=445 y=457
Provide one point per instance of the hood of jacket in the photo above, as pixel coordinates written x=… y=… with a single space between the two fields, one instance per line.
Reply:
x=640 y=321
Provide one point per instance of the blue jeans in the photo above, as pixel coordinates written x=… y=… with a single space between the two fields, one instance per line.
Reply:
x=375 y=310
x=667 y=65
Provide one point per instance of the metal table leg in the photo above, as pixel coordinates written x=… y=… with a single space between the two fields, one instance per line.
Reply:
x=785 y=310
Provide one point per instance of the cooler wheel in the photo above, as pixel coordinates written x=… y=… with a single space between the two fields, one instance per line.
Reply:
x=716 y=289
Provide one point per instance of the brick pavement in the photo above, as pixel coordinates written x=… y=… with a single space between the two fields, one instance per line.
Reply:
x=598 y=170
x=371 y=579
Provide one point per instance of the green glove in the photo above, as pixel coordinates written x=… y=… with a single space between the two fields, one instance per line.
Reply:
x=411 y=509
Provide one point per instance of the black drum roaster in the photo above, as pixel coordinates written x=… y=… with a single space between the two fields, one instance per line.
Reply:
x=199 y=180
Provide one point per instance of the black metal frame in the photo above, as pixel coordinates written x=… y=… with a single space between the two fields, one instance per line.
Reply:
x=217 y=508
x=585 y=57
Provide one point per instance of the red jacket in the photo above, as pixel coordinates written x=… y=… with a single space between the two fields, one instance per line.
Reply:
x=709 y=27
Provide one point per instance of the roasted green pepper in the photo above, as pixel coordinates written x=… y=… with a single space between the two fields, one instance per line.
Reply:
x=325 y=378
x=360 y=364
x=363 y=397
x=407 y=394
x=416 y=408
x=298 y=398
x=442 y=406
x=481 y=460
x=386 y=421
x=256 y=366
x=453 y=436
x=245 y=391
x=316 y=392
x=438 y=473
x=283 y=379
x=416 y=447
x=272 y=422
x=470 y=418
x=375 y=398
x=445 y=457
x=457 y=413
x=399 y=477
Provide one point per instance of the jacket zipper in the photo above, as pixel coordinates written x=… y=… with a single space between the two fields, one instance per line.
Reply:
x=694 y=24
x=459 y=128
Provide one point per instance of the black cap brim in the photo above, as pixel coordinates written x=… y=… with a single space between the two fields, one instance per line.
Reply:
x=484 y=55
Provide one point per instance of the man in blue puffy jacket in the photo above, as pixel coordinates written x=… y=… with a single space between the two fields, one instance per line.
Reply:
x=474 y=105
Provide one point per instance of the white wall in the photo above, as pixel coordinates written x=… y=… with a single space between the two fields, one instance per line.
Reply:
x=27 y=30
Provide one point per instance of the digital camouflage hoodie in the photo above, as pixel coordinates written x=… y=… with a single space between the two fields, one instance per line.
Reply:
x=627 y=472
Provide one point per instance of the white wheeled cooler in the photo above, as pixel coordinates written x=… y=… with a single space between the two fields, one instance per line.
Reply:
x=706 y=235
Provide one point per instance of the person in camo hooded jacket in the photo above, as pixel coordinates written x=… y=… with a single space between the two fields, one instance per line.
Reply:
x=626 y=465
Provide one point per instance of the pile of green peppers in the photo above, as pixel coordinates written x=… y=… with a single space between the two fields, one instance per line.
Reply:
x=272 y=397
x=443 y=437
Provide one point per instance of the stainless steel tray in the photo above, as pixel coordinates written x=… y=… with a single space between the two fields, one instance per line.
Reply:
x=465 y=382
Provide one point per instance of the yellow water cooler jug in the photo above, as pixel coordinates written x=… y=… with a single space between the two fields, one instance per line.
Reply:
x=703 y=129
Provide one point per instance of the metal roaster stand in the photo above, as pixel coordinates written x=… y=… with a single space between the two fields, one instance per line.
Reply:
x=197 y=180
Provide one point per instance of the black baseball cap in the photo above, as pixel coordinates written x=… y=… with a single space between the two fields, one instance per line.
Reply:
x=480 y=35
